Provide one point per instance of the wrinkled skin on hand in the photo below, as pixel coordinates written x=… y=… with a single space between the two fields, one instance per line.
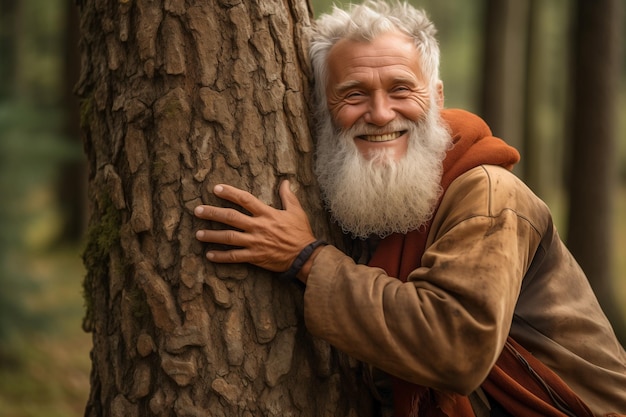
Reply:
x=268 y=237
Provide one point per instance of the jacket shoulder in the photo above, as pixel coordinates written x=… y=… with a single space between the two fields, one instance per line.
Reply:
x=489 y=190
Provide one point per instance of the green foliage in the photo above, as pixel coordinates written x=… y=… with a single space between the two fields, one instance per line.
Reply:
x=44 y=363
x=47 y=373
x=35 y=45
x=30 y=153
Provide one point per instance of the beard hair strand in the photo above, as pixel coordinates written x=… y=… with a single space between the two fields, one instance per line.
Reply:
x=381 y=196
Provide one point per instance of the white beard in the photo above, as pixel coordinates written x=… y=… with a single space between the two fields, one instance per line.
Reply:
x=381 y=196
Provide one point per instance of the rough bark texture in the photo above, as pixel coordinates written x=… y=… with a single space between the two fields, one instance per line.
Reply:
x=176 y=97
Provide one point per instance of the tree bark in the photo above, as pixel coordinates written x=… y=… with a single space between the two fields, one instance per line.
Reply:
x=593 y=173
x=178 y=96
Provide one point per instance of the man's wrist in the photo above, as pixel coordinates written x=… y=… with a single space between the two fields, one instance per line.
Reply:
x=303 y=274
x=301 y=260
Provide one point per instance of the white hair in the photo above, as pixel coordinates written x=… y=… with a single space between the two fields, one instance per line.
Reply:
x=380 y=196
x=364 y=22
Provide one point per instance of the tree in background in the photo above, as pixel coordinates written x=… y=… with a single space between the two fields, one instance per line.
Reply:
x=72 y=183
x=596 y=68
x=30 y=153
x=544 y=97
x=503 y=66
x=178 y=96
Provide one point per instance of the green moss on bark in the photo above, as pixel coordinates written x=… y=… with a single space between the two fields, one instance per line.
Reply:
x=102 y=236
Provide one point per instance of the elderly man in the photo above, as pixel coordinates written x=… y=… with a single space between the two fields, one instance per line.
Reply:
x=467 y=274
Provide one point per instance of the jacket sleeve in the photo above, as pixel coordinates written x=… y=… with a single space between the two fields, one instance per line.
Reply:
x=446 y=326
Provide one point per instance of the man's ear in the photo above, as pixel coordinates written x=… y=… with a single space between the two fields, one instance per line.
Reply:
x=439 y=94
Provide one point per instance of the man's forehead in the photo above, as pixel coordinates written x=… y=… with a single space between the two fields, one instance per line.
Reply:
x=388 y=43
x=392 y=52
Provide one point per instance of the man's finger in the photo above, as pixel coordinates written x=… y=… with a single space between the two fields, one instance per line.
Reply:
x=226 y=216
x=224 y=237
x=231 y=256
x=241 y=198
x=289 y=199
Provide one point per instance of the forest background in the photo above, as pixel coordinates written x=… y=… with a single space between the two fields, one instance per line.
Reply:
x=44 y=355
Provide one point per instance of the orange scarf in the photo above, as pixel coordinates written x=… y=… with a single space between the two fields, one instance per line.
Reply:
x=400 y=254
x=473 y=146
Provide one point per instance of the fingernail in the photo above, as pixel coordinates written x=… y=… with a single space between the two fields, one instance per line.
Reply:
x=199 y=234
x=210 y=256
x=218 y=189
x=198 y=210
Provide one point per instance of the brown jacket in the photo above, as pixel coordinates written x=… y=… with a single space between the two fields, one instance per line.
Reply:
x=446 y=326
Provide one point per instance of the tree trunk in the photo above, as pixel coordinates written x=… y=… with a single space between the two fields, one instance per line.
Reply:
x=72 y=184
x=178 y=96
x=8 y=38
x=545 y=97
x=503 y=68
x=593 y=174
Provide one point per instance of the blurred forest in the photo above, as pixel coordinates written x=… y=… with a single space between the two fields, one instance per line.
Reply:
x=44 y=355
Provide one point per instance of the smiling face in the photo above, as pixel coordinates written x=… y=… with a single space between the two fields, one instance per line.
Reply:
x=374 y=88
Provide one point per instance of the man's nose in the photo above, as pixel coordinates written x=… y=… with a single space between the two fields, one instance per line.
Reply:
x=379 y=112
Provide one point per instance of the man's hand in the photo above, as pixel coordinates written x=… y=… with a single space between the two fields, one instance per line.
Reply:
x=269 y=238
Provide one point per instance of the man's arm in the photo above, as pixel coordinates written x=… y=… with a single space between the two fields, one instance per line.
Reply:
x=268 y=237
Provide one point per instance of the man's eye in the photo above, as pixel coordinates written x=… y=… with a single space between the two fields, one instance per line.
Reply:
x=354 y=94
x=401 y=89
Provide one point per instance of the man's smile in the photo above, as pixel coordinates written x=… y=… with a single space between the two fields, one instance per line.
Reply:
x=382 y=138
